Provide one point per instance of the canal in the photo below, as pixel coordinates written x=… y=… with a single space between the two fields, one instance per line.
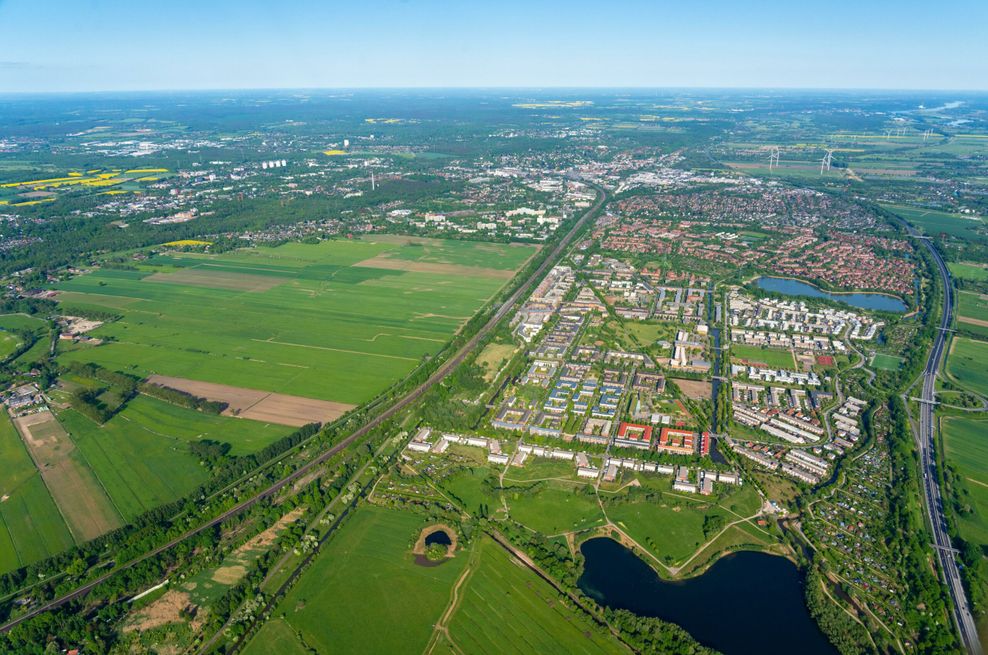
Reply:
x=745 y=603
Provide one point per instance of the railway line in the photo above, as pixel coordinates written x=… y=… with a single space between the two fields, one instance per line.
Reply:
x=401 y=403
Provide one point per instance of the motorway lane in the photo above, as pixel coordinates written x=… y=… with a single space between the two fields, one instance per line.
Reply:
x=963 y=618
x=444 y=370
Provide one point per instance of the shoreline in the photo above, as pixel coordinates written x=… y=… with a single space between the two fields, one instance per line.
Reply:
x=822 y=290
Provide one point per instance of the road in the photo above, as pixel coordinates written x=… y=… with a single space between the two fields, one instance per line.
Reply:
x=444 y=370
x=931 y=488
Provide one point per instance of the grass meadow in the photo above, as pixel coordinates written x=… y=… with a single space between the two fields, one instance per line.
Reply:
x=967 y=450
x=141 y=456
x=934 y=222
x=966 y=364
x=31 y=527
x=297 y=319
x=505 y=608
x=365 y=594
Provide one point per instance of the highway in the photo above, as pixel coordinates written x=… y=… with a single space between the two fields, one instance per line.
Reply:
x=444 y=370
x=931 y=488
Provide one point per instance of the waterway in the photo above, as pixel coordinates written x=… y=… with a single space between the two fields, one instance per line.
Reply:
x=873 y=301
x=746 y=603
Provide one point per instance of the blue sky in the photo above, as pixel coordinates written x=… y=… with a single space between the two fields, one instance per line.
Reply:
x=89 y=45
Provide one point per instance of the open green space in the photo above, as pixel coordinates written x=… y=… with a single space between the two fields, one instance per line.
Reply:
x=967 y=364
x=964 y=271
x=365 y=593
x=973 y=306
x=556 y=508
x=886 y=362
x=8 y=344
x=298 y=319
x=31 y=527
x=966 y=444
x=935 y=222
x=275 y=636
x=141 y=455
x=467 y=487
x=505 y=608
x=772 y=358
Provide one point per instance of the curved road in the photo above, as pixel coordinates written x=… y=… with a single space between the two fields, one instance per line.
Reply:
x=931 y=489
x=444 y=370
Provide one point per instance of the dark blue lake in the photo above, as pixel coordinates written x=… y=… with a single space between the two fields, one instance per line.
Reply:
x=746 y=603
x=874 y=301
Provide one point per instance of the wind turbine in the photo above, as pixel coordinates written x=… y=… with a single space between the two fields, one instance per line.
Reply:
x=826 y=161
x=773 y=157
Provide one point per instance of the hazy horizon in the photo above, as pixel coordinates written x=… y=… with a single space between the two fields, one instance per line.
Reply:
x=116 y=46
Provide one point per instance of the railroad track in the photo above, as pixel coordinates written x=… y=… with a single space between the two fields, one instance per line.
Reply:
x=440 y=373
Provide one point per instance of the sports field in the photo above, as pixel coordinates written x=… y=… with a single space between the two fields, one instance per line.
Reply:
x=767 y=356
x=317 y=321
x=503 y=607
x=31 y=527
x=966 y=364
x=365 y=593
x=886 y=362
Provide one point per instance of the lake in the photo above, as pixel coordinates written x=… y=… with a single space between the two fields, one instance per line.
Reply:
x=873 y=301
x=745 y=603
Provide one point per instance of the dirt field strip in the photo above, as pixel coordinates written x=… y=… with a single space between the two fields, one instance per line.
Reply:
x=258 y=405
x=972 y=321
x=87 y=509
x=383 y=261
x=693 y=389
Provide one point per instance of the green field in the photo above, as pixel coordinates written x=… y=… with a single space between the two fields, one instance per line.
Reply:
x=886 y=362
x=275 y=636
x=507 y=609
x=140 y=456
x=557 y=508
x=974 y=306
x=365 y=594
x=974 y=272
x=770 y=357
x=935 y=222
x=967 y=364
x=297 y=319
x=31 y=527
x=673 y=529
x=967 y=450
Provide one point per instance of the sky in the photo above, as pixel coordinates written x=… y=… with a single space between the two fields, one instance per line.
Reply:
x=109 y=45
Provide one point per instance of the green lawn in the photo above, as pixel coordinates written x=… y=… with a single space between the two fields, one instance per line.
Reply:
x=365 y=594
x=297 y=319
x=968 y=364
x=886 y=362
x=557 y=508
x=505 y=608
x=31 y=527
x=772 y=358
